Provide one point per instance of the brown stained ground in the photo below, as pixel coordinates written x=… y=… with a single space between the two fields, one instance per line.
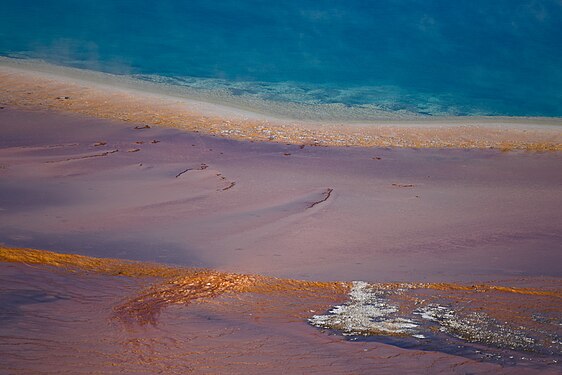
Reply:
x=30 y=90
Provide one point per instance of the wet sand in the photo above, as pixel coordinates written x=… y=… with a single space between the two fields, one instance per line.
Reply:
x=112 y=189
x=202 y=321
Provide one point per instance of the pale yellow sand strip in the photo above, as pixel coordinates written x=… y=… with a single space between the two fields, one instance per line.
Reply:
x=24 y=88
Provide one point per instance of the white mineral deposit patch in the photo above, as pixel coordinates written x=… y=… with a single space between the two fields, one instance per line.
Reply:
x=368 y=312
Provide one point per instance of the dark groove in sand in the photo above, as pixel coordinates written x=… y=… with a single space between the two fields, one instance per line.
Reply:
x=327 y=193
x=84 y=157
x=62 y=145
x=184 y=171
x=229 y=186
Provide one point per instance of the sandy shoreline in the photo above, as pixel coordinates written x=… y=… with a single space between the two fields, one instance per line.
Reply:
x=31 y=86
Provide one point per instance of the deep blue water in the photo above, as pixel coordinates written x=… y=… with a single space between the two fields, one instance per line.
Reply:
x=455 y=57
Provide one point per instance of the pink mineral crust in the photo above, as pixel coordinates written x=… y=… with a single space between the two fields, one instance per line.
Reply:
x=412 y=215
x=72 y=184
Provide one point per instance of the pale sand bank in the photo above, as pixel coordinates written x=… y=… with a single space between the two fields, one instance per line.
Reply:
x=34 y=86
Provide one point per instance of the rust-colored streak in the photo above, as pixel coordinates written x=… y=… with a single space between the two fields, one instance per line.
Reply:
x=75 y=263
x=479 y=288
x=179 y=285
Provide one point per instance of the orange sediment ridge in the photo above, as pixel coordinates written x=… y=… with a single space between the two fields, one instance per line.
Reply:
x=476 y=288
x=182 y=286
x=177 y=285
x=28 y=89
x=74 y=263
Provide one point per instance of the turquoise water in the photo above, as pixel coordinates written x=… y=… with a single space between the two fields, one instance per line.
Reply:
x=464 y=57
